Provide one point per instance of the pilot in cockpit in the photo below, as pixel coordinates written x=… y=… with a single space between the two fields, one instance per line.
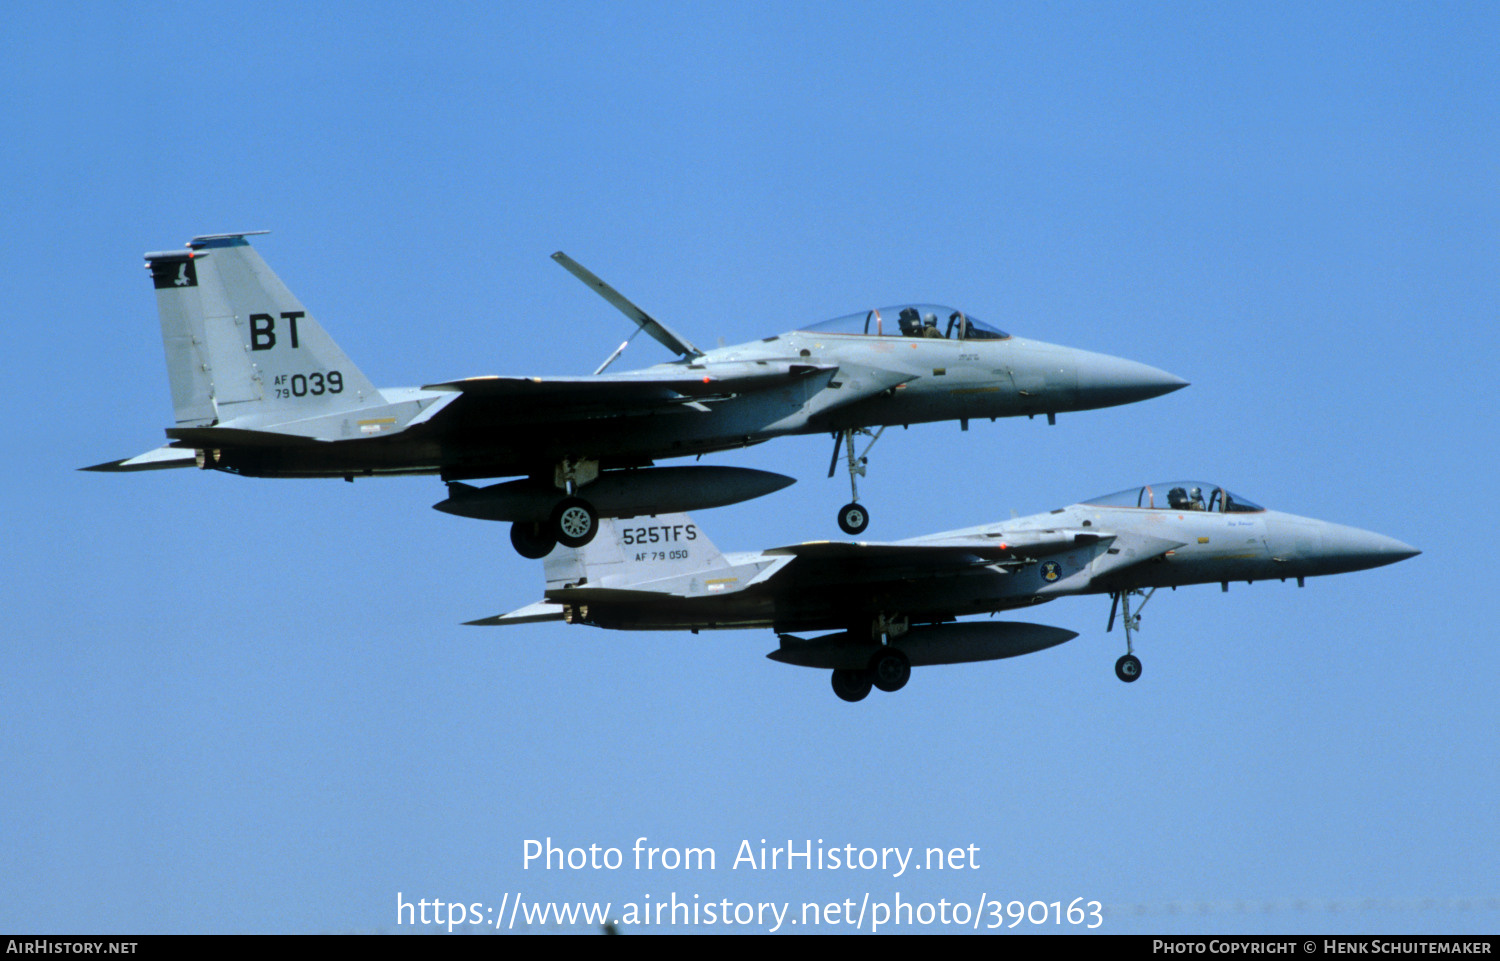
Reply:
x=1197 y=500
x=930 y=327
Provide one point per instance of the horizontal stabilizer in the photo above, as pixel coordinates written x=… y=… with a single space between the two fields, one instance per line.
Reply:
x=531 y=614
x=159 y=459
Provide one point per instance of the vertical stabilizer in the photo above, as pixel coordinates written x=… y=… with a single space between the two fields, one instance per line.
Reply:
x=629 y=551
x=239 y=344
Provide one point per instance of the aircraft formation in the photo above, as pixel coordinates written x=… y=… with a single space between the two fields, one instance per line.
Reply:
x=259 y=388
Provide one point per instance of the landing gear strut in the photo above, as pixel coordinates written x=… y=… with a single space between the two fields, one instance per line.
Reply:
x=1128 y=667
x=853 y=519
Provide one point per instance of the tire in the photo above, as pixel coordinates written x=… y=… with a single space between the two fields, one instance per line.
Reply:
x=1128 y=668
x=574 y=522
x=532 y=540
x=890 y=670
x=851 y=685
x=853 y=519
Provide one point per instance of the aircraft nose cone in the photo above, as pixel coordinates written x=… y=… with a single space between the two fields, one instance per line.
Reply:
x=1353 y=549
x=1105 y=381
x=1390 y=550
x=1398 y=551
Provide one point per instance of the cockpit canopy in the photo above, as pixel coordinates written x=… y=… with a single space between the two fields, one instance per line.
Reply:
x=912 y=320
x=1180 y=496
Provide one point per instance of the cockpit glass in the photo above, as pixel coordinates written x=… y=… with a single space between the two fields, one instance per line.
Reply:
x=912 y=320
x=1180 y=496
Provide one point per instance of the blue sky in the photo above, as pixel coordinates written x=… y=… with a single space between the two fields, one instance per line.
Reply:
x=250 y=705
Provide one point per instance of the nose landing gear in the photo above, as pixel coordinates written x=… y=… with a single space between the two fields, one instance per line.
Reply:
x=1128 y=667
x=853 y=519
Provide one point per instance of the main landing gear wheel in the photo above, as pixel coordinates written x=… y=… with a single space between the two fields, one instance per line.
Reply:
x=1128 y=668
x=890 y=670
x=851 y=685
x=532 y=540
x=574 y=521
x=853 y=519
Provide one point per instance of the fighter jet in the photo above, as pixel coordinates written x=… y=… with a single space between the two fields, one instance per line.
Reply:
x=259 y=389
x=894 y=606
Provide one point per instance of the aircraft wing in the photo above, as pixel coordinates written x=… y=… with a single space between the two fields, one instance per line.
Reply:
x=635 y=388
x=844 y=562
x=958 y=551
x=876 y=556
x=553 y=398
